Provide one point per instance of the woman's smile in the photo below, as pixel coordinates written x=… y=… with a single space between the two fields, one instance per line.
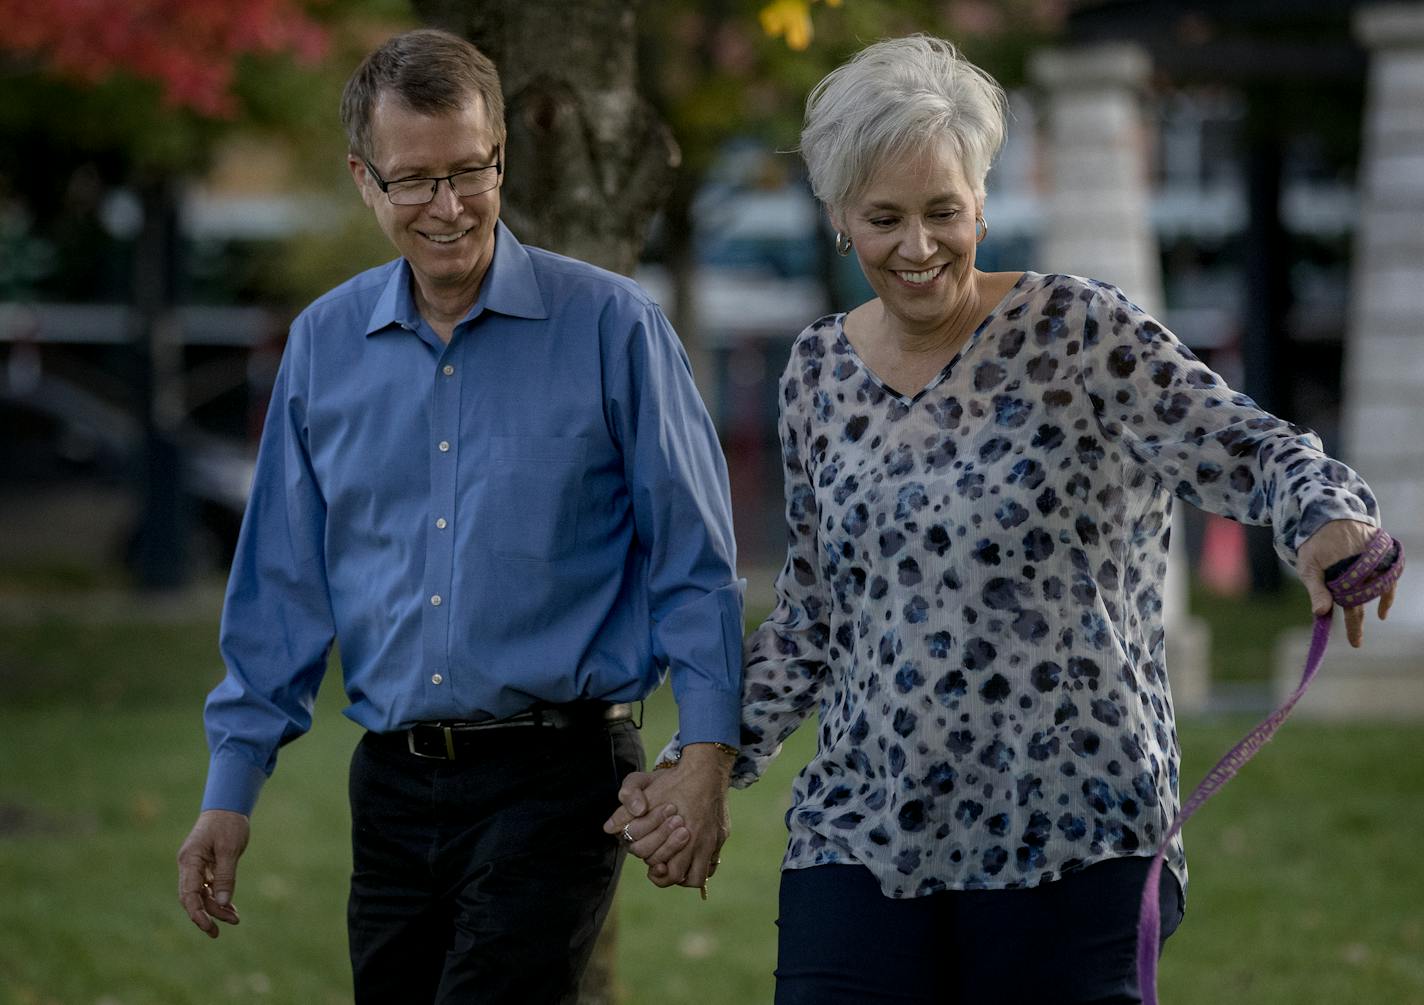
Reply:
x=920 y=279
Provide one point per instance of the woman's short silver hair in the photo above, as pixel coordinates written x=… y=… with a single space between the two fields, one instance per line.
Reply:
x=893 y=99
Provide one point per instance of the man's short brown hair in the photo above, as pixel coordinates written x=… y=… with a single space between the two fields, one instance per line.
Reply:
x=429 y=71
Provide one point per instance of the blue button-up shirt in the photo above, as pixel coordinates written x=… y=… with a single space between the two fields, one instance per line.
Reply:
x=537 y=511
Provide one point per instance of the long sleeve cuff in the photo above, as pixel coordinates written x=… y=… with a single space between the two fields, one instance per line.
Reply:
x=234 y=783
x=709 y=716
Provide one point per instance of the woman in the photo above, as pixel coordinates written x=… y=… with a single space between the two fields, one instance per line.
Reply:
x=979 y=474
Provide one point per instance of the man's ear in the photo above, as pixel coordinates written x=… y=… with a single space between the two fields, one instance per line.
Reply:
x=361 y=177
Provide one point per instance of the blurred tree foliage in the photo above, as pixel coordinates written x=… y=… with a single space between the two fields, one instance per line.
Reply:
x=723 y=68
x=104 y=96
x=100 y=94
x=188 y=47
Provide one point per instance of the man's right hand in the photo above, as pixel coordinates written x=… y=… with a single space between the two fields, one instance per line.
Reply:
x=207 y=868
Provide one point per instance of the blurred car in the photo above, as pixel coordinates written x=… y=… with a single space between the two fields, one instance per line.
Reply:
x=758 y=270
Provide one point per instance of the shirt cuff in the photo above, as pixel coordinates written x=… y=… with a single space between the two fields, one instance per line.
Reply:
x=709 y=716
x=233 y=784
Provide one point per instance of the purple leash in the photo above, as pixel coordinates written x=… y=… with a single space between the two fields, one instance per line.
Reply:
x=1351 y=583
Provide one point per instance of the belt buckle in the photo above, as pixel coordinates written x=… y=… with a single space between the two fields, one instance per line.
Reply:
x=449 y=745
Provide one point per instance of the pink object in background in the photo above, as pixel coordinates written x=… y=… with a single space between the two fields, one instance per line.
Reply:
x=1223 y=568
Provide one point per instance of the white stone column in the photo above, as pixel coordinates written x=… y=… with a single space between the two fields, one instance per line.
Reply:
x=1096 y=169
x=1097 y=225
x=1383 y=413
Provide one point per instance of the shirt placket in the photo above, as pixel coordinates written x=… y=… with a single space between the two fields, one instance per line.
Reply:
x=440 y=536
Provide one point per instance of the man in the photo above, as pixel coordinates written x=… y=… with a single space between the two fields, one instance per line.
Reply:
x=486 y=473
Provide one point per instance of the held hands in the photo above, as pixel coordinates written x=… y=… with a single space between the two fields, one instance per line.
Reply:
x=1337 y=540
x=207 y=868
x=677 y=817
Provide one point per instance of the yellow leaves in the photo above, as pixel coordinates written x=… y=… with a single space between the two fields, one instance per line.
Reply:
x=791 y=19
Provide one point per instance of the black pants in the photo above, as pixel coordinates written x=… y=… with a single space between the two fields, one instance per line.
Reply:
x=484 y=879
x=1068 y=942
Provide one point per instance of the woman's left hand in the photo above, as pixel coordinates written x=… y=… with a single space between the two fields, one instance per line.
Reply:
x=1337 y=540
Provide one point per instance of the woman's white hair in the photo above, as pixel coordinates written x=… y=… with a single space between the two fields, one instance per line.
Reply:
x=893 y=99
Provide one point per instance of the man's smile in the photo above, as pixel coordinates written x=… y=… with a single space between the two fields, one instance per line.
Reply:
x=445 y=238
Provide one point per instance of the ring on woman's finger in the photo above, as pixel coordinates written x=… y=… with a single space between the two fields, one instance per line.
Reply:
x=627 y=834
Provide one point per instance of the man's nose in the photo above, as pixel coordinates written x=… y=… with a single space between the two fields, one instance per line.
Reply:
x=446 y=204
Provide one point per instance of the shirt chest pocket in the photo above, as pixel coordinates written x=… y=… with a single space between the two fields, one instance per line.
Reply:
x=533 y=493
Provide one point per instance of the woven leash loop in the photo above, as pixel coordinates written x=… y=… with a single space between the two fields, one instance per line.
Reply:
x=1368 y=575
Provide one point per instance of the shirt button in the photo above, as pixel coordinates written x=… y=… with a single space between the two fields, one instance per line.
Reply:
x=435 y=600
x=436 y=678
x=444 y=446
x=447 y=369
x=440 y=523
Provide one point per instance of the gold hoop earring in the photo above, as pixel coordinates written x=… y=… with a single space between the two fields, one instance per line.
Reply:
x=981 y=230
x=842 y=244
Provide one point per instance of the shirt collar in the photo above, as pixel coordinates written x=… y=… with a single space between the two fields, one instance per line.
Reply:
x=395 y=306
x=510 y=287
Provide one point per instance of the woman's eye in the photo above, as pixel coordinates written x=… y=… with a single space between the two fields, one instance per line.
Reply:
x=883 y=221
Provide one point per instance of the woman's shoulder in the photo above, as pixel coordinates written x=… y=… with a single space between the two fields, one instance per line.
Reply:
x=1066 y=296
x=819 y=336
x=816 y=343
x=1097 y=294
x=827 y=325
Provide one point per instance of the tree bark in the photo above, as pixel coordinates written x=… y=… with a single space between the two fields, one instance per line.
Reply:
x=588 y=163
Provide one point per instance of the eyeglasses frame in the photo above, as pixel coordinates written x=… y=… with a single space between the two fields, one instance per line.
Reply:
x=385 y=186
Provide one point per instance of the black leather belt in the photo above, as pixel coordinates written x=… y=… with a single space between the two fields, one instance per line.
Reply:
x=444 y=741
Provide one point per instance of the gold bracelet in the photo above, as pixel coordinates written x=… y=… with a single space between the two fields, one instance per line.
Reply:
x=671 y=760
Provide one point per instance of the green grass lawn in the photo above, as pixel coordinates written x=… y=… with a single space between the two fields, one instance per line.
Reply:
x=1306 y=882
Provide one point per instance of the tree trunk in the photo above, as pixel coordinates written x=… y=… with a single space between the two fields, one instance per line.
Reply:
x=588 y=164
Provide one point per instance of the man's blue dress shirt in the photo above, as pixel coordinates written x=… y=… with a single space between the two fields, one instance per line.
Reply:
x=537 y=511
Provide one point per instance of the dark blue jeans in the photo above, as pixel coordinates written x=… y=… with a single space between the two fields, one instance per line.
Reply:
x=1069 y=942
x=484 y=879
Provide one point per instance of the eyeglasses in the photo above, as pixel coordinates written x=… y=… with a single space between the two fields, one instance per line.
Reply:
x=419 y=191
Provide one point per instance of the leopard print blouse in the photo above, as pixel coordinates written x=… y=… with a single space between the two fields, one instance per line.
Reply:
x=972 y=594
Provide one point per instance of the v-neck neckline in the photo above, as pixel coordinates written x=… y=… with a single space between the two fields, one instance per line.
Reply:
x=943 y=375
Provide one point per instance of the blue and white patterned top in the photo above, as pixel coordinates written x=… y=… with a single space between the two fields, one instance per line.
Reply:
x=972 y=594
